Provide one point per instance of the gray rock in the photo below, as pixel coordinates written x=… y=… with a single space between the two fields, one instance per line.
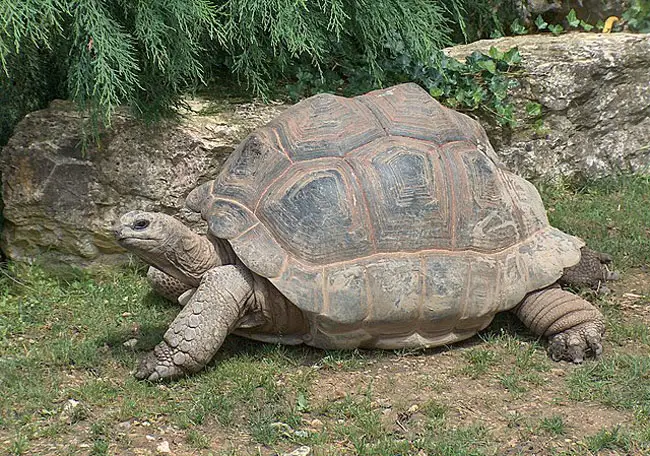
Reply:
x=595 y=93
x=60 y=202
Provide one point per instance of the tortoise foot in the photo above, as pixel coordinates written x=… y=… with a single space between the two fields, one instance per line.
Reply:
x=159 y=364
x=577 y=343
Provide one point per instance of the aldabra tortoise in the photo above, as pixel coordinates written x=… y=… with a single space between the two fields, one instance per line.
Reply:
x=381 y=221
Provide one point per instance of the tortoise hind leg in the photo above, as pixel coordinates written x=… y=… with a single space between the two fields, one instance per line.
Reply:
x=591 y=271
x=574 y=327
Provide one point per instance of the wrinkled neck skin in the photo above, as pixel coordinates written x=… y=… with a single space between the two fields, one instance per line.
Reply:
x=186 y=255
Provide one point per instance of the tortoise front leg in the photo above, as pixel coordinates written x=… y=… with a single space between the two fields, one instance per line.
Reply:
x=165 y=285
x=200 y=328
x=573 y=326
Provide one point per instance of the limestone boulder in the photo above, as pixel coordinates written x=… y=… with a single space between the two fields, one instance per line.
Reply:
x=61 y=199
x=594 y=91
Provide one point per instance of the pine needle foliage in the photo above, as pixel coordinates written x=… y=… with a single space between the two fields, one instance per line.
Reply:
x=147 y=53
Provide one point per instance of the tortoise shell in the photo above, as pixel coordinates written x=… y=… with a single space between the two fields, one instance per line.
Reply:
x=387 y=217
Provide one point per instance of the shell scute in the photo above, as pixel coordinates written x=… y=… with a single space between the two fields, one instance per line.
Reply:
x=228 y=219
x=409 y=111
x=406 y=193
x=314 y=214
x=484 y=216
x=262 y=252
x=346 y=290
x=395 y=291
x=325 y=126
x=250 y=169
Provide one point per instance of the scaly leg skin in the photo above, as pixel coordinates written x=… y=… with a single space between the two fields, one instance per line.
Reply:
x=573 y=326
x=200 y=328
x=591 y=271
x=165 y=285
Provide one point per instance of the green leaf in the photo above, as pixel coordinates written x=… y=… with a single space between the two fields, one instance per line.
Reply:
x=572 y=19
x=586 y=26
x=478 y=96
x=533 y=109
x=302 y=403
x=517 y=28
x=495 y=53
x=556 y=29
x=436 y=92
x=488 y=65
x=512 y=56
x=494 y=34
x=541 y=23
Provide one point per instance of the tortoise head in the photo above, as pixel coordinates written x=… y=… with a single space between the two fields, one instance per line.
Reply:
x=147 y=233
x=167 y=244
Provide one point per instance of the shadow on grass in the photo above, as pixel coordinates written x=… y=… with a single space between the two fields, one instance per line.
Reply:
x=150 y=332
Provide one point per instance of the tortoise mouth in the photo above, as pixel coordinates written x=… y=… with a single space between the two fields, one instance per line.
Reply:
x=136 y=242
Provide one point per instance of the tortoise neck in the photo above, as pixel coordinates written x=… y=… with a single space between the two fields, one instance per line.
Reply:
x=188 y=256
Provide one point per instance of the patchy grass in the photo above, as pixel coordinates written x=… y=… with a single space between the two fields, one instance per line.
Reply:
x=67 y=387
x=611 y=214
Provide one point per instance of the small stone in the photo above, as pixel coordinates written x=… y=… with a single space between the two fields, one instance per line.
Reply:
x=301 y=433
x=163 y=447
x=130 y=343
x=300 y=451
x=72 y=403
x=127 y=314
x=150 y=438
x=316 y=424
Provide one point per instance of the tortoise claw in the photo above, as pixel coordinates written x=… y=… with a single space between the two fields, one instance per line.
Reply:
x=158 y=365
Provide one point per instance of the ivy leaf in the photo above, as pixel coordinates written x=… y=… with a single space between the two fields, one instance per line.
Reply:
x=499 y=88
x=495 y=53
x=556 y=29
x=533 y=109
x=436 y=92
x=572 y=19
x=496 y=34
x=512 y=56
x=586 y=26
x=478 y=96
x=517 y=28
x=488 y=65
x=541 y=23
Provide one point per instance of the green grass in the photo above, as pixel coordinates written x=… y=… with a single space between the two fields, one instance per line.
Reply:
x=553 y=425
x=66 y=381
x=611 y=214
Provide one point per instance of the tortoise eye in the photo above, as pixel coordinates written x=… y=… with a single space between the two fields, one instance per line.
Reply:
x=140 y=224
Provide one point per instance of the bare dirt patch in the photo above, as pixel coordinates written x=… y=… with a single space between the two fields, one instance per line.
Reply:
x=632 y=293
